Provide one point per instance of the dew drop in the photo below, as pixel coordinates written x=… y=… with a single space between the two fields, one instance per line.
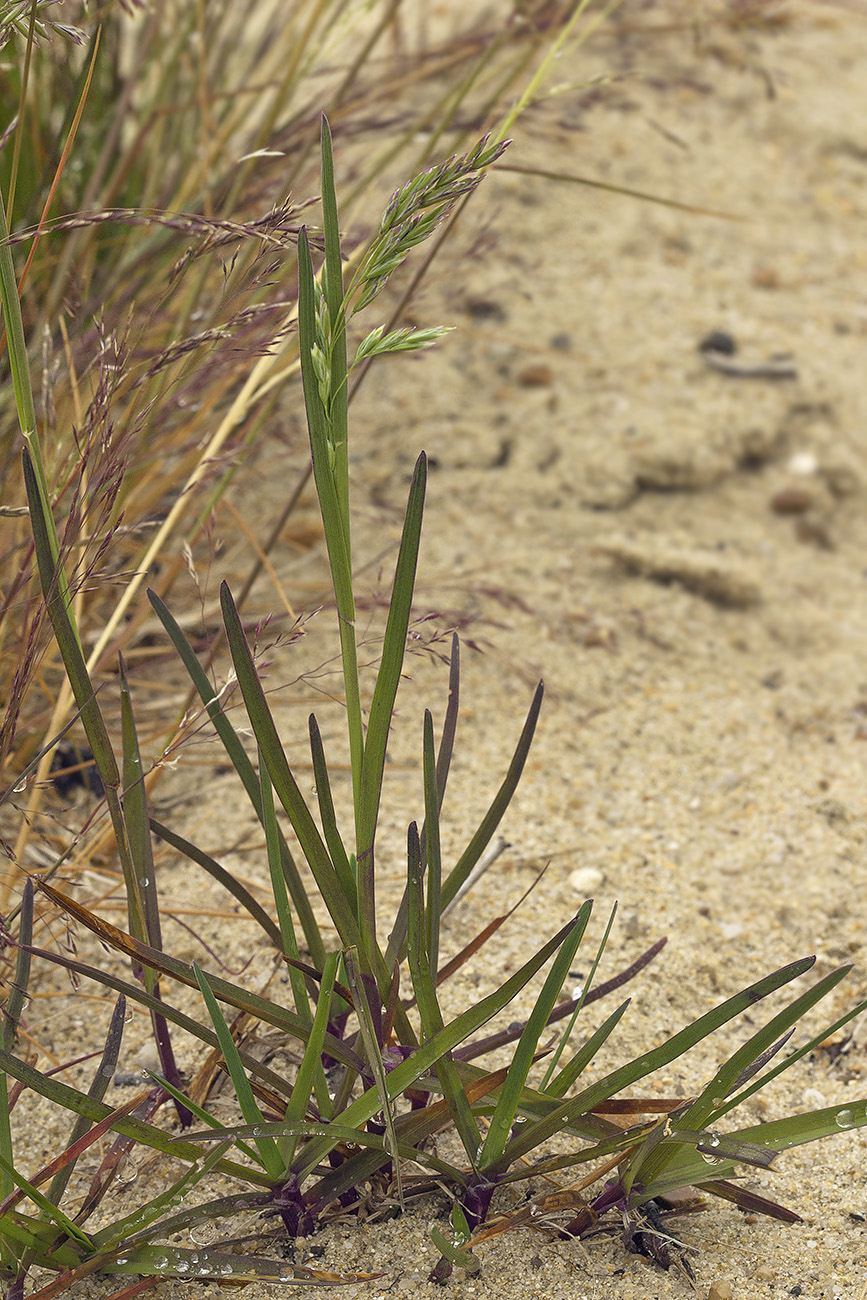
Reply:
x=161 y=1261
x=182 y=1266
x=286 y=1274
x=20 y=787
x=122 y=1259
x=127 y=1174
x=713 y=1140
x=225 y=1270
x=844 y=1118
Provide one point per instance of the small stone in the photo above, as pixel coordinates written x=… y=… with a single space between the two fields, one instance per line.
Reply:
x=792 y=501
x=764 y=1273
x=584 y=880
x=765 y=277
x=537 y=376
x=719 y=341
x=485 y=309
x=720 y=1291
x=803 y=462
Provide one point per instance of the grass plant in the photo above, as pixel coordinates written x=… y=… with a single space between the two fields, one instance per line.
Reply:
x=381 y=1070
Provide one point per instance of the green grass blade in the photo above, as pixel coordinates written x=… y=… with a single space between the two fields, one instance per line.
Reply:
x=670 y=1050
x=282 y=779
x=384 y=693
x=19 y=367
x=288 y=942
x=59 y=611
x=327 y=816
x=373 y=1052
x=285 y=786
x=177 y=1094
x=805 y=1050
x=397 y=938
x=585 y=1054
x=728 y=1074
x=334 y=463
x=433 y=910
x=557 y=1087
x=38 y=1240
x=491 y=1157
x=240 y=761
x=11 y=1016
x=689 y=1168
x=311 y=1075
x=455 y=1251
x=711 y=1099
x=18 y=360
x=421 y=971
x=49 y=1211
x=17 y=1000
x=477 y=845
x=333 y=288
x=223 y=1267
x=144 y=904
x=267 y=1147
x=795 y=1130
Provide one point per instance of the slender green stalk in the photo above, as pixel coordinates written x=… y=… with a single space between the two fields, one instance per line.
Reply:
x=491 y=1158
x=244 y=768
x=267 y=1148
x=11 y=1016
x=422 y=969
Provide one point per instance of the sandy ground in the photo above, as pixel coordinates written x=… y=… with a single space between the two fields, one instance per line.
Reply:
x=680 y=553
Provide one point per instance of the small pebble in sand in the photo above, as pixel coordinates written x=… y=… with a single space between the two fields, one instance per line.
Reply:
x=536 y=376
x=792 y=501
x=720 y=1291
x=719 y=341
x=584 y=880
x=803 y=462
